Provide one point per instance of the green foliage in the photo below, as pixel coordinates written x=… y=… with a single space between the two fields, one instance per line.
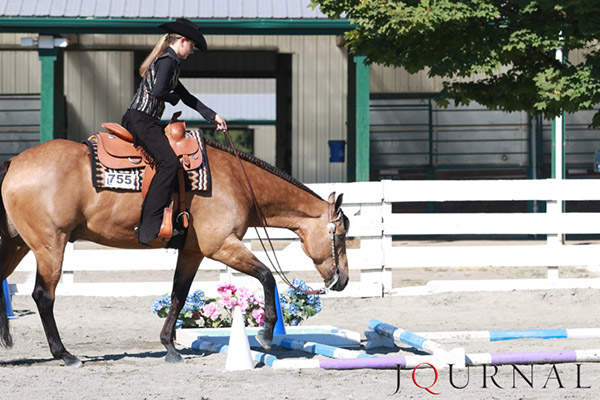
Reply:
x=505 y=47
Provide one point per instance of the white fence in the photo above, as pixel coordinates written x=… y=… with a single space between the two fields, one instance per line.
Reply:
x=368 y=205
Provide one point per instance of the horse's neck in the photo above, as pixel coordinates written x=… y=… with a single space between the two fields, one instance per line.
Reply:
x=292 y=209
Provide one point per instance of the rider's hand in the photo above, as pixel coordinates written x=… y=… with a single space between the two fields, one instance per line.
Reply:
x=221 y=124
x=173 y=98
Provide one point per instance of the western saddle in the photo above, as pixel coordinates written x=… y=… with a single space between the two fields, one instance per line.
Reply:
x=116 y=151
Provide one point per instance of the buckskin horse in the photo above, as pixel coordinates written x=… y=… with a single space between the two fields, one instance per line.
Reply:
x=47 y=199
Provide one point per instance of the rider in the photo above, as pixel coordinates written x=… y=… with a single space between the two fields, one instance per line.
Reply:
x=160 y=83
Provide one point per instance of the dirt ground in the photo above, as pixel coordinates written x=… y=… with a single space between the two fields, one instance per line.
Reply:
x=117 y=338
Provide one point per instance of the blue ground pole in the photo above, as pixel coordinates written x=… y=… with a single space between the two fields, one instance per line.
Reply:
x=279 y=326
x=9 y=310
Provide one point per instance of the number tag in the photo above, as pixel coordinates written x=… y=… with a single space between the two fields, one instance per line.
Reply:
x=119 y=180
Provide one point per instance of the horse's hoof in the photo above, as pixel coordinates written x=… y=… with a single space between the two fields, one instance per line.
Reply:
x=265 y=339
x=174 y=358
x=72 y=361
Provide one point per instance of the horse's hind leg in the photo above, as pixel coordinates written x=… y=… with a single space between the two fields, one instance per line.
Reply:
x=49 y=261
x=187 y=265
x=10 y=256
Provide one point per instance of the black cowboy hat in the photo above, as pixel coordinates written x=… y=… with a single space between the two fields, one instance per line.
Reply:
x=187 y=28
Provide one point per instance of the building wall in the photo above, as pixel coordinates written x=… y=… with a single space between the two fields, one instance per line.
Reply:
x=397 y=80
x=319 y=91
x=98 y=89
x=20 y=67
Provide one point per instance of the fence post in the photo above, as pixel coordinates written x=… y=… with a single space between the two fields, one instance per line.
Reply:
x=555 y=240
x=386 y=242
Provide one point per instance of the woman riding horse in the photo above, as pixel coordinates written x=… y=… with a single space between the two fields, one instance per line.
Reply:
x=160 y=83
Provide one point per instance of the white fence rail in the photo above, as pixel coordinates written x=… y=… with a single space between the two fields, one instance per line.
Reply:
x=369 y=208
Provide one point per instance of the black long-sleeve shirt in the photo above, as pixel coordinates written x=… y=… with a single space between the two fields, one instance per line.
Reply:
x=165 y=69
x=160 y=84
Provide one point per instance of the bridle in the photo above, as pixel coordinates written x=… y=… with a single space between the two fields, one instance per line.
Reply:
x=331 y=227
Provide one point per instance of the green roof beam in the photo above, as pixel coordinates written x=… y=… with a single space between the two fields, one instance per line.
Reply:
x=150 y=25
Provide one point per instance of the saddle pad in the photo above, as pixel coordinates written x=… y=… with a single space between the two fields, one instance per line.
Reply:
x=132 y=178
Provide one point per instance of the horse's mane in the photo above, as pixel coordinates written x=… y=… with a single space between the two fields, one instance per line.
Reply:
x=262 y=164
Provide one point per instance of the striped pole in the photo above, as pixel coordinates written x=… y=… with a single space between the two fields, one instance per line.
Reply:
x=499 y=335
x=406 y=337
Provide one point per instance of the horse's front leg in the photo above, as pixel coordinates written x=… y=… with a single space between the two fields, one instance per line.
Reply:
x=234 y=254
x=187 y=265
x=265 y=335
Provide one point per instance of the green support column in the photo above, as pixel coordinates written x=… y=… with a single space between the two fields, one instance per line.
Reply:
x=52 y=123
x=358 y=120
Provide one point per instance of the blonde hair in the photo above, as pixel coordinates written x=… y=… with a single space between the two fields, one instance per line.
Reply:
x=165 y=41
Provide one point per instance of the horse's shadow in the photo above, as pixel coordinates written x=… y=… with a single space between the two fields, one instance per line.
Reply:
x=95 y=359
x=145 y=354
x=384 y=351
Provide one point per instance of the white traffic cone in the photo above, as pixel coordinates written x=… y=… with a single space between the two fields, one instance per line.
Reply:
x=238 y=352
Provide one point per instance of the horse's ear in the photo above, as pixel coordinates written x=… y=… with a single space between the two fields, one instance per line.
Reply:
x=338 y=202
x=331 y=198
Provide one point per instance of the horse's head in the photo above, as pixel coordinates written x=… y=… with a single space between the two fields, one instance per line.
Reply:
x=325 y=244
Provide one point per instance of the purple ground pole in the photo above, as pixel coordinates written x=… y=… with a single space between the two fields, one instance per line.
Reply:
x=534 y=357
x=357 y=363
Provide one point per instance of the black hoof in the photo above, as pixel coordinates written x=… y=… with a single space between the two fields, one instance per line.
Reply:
x=265 y=339
x=72 y=361
x=174 y=358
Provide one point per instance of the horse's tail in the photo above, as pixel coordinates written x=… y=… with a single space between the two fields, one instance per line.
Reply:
x=5 y=337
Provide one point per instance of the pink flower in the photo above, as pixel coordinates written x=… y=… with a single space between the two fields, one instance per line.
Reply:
x=227 y=300
x=244 y=292
x=226 y=287
x=259 y=316
x=243 y=303
x=211 y=311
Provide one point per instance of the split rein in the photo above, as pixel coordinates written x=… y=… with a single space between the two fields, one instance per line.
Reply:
x=263 y=221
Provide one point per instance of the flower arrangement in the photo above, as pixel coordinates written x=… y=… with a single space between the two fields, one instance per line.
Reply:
x=297 y=305
x=217 y=312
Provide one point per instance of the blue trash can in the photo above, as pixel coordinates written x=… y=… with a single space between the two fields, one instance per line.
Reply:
x=337 y=150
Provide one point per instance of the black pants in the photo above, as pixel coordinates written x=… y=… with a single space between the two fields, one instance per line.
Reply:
x=149 y=133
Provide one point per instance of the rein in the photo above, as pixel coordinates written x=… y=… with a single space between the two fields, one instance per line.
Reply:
x=263 y=221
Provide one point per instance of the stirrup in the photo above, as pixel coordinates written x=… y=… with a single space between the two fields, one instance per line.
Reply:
x=186 y=218
x=166 y=228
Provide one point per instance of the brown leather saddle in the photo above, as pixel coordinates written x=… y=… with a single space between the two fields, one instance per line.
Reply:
x=116 y=151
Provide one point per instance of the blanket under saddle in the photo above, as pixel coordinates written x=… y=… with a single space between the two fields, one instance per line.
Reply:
x=132 y=178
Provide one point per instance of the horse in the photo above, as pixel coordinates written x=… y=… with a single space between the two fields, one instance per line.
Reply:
x=48 y=199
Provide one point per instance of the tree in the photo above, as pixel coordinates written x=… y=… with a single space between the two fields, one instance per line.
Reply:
x=500 y=53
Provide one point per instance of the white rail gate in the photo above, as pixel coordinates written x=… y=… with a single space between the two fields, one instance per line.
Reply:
x=368 y=205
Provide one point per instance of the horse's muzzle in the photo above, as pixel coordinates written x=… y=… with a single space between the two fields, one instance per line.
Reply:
x=337 y=282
